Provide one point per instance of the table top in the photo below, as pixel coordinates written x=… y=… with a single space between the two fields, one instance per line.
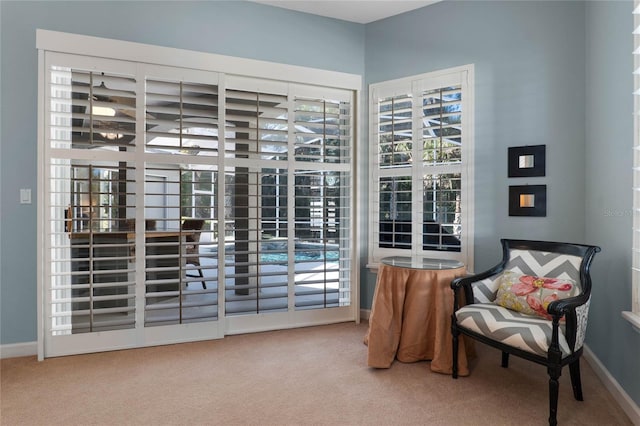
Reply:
x=419 y=262
x=130 y=234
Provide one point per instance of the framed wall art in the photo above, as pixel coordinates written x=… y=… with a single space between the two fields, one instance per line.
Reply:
x=527 y=161
x=528 y=200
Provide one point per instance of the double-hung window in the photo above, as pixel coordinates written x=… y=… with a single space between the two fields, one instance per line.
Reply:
x=421 y=161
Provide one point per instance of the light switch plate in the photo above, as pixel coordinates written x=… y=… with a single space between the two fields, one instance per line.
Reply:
x=25 y=196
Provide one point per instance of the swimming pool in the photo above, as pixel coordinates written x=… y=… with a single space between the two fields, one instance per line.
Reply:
x=275 y=251
x=300 y=256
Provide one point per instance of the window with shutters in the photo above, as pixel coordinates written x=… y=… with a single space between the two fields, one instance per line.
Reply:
x=181 y=196
x=634 y=315
x=422 y=153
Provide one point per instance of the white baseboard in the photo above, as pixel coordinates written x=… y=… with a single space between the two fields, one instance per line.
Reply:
x=626 y=403
x=364 y=314
x=15 y=350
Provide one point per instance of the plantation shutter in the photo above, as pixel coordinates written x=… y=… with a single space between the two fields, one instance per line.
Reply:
x=394 y=159
x=322 y=190
x=287 y=176
x=103 y=110
x=441 y=153
x=256 y=203
x=92 y=133
x=636 y=163
x=181 y=209
x=418 y=201
x=184 y=203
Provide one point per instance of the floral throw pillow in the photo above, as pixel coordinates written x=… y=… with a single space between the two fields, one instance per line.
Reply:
x=532 y=295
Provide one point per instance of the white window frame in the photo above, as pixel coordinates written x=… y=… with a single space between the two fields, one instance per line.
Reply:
x=633 y=316
x=464 y=75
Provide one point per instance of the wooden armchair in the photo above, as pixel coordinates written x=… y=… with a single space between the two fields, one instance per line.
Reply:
x=534 y=304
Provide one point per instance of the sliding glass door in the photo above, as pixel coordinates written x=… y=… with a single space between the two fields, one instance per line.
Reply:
x=183 y=204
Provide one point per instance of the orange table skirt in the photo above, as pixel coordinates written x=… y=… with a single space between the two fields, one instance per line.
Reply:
x=411 y=319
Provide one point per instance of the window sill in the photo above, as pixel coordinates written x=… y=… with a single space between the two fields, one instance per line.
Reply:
x=633 y=318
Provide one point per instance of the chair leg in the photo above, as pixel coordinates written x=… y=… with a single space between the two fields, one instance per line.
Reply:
x=505 y=359
x=554 y=385
x=204 y=285
x=576 y=383
x=455 y=333
x=200 y=274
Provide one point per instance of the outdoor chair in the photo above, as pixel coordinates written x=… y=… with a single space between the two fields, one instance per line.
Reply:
x=534 y=305
x=192 y=247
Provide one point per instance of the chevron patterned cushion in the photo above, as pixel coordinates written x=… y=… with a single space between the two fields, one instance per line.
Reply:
x=531 y=295
x=485 y=291
x=530 y=262
x=544 y=264
x=527 y=332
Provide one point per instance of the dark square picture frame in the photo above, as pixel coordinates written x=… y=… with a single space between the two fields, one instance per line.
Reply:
x=527 y=161
x=528 y=200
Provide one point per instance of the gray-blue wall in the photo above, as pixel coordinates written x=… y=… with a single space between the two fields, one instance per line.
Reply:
x=529 y=90
x=608 y=214
x=553 y=73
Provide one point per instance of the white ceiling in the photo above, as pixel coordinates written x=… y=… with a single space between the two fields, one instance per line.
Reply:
x=359 y=11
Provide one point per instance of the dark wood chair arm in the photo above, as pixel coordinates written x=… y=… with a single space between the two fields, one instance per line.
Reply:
x=561 y=307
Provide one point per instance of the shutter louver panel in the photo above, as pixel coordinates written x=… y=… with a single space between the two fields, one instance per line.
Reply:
x=442 y=125
x=101 y=108
x=395 y=156
x=270 y=253
x=395 y=132
x=322 y=131
x=441 y=146
x=256 y=125
x=256 y=262
x=181 y=247
x=182 y=118
x=395 y=205
x=322 y=243
x=441 y=212
x=93 y=257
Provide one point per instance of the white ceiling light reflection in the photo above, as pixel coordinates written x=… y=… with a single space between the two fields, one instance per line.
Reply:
x=106 y=112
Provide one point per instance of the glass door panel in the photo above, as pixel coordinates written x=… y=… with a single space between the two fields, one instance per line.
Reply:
x=181 y=244
x=92 y=251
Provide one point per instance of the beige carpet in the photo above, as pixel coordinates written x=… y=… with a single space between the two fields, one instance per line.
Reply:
x=308 y=376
